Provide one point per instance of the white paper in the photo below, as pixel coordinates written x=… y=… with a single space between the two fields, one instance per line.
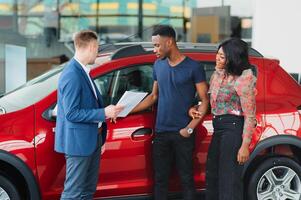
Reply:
x=129 y=100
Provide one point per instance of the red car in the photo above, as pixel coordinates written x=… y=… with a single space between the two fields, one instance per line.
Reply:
x=31 y=169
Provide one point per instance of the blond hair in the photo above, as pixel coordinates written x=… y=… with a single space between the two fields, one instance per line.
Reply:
x=83 y=38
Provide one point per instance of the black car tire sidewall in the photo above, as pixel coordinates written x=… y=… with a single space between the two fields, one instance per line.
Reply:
x=9 y=188
x=264 y=167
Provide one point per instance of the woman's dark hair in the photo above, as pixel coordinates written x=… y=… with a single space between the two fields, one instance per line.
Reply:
x=237 y=56
x=164 y=30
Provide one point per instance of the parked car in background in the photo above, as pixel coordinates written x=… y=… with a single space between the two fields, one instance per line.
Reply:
x=30 y=168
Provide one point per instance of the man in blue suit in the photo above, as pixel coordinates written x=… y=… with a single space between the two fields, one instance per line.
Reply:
x=80 y=126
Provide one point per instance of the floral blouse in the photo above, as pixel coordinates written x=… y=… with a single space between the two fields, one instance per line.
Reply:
x=234 y=95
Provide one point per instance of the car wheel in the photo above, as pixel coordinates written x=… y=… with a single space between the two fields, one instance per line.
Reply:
x=7 y=190
x=277 y=178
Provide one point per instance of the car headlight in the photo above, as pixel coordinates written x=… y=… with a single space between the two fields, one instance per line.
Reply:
x=2 y=110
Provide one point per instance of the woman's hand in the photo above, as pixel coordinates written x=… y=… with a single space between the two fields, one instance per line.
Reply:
x=194 y=113
x=243 y=154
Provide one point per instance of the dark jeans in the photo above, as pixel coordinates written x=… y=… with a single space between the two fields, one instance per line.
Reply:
x=166 y=147
x=223 y=173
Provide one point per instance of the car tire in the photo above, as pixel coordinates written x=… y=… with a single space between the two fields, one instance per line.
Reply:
x=8 y=190
x=276 y=178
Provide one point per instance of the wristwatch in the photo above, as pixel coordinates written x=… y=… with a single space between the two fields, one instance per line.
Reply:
x=189 y=130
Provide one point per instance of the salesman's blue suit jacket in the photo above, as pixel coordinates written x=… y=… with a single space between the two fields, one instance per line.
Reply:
x=78 y=113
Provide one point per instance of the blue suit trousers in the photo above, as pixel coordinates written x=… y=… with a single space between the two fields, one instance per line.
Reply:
x=81 y=175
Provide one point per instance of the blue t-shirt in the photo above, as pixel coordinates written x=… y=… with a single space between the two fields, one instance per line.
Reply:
x=176 y=92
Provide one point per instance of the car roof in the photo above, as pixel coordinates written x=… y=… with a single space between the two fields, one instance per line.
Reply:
x=128 y=49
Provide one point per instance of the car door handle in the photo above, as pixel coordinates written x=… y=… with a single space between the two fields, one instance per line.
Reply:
x=142 y=131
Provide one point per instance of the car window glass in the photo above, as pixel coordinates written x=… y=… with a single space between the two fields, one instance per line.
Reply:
x=104 y=83
x=114 y=84
x=209 y=68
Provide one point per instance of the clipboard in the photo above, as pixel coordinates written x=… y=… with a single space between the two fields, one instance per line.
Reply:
x=130 y=100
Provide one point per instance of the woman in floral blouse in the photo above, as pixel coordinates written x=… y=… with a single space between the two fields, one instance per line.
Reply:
x=232 y=100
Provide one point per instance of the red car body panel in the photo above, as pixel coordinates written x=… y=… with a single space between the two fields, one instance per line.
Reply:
x=17 y=136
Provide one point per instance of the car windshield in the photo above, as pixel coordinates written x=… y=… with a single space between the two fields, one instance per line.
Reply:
x=32 y=91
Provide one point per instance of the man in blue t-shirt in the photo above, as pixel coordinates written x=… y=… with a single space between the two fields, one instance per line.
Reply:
x=176 y=80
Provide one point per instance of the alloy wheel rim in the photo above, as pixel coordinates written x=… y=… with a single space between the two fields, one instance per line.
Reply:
x=3 y=194
x=279 y=183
